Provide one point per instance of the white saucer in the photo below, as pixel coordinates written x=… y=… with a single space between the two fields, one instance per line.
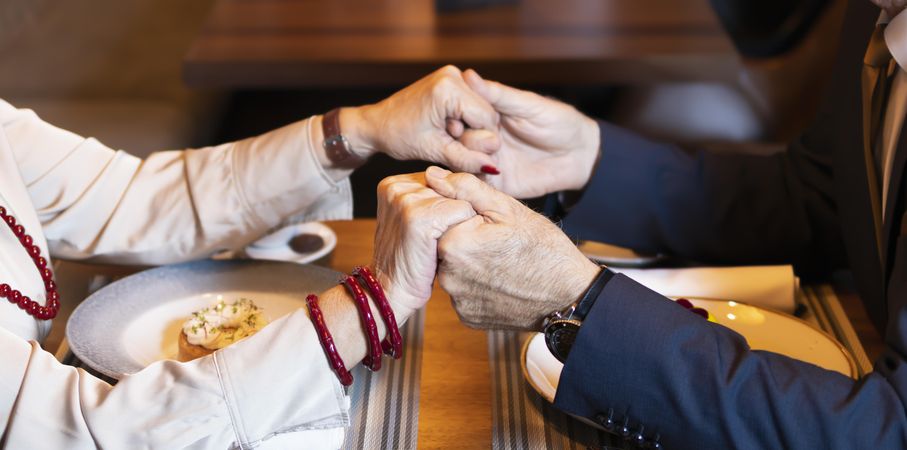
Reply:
x=613 y=255
x=276 y=246
x=763 y=329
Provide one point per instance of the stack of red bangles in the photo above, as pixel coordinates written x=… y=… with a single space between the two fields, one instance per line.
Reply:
x=393 y=343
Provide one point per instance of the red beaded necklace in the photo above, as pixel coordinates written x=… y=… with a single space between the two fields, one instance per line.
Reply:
x=52 y=305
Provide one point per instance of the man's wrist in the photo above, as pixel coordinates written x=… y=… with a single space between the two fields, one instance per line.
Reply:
x=588 y=273
x=576 y=284
x=589 y=153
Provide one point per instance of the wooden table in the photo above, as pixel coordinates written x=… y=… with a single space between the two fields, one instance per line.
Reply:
x=317 y=43
x=455 y=398
x=455 y=402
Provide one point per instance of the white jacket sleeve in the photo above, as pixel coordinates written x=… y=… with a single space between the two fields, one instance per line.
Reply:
x=274 y=387
x=101 y=204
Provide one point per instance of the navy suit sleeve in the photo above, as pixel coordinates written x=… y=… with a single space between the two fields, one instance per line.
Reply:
x=699 y=386
x=715 y=207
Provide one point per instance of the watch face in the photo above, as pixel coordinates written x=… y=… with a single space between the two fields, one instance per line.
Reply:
x=559 y=336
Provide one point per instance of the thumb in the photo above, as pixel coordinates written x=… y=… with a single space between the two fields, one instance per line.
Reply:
x=464 y=186
x=505 y=99
x=460 y=158
x=480 y=140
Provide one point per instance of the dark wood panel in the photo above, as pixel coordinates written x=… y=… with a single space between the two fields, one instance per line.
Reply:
x=286 y=43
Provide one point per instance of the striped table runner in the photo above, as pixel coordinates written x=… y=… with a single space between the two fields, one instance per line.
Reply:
x=384 y=405
x=523 y=420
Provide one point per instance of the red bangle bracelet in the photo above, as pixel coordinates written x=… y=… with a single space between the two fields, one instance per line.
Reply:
x=373 y=359
x=393 y=343
x=327 y=342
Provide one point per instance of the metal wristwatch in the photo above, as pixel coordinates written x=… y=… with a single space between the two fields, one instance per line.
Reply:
x=561 y=327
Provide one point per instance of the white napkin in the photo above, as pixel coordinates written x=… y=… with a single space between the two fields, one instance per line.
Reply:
x=771 y=287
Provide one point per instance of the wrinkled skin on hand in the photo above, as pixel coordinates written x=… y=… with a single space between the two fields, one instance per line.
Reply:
x=546 y=145
x=412 y=123
x=507 y=267
x=411 y=219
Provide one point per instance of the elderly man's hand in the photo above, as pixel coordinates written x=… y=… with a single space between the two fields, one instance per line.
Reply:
x=546 y=145
x=507 y=267
x=411 y=219
x=412 y=123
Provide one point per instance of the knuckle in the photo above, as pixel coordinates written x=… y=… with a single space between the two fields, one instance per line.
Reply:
x=450 y=70
x=408 y=199
x=409 y=214
x=467 y=180
x=442 y=86
x=460 y=304
x=393 y=193
x=444 y=248
x=467 y=315
x=383 y=184
x=386 y=186
x=463 y=207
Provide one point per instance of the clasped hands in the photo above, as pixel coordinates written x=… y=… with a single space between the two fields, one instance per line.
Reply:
x=504 y=265
x=458 y=119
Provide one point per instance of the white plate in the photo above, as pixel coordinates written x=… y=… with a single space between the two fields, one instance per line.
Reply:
x=613 y=255
x=276 y=246
x=763 y=330
x=136 y=321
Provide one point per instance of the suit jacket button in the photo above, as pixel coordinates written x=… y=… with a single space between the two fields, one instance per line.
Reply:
x=624 y=430
x=654 y=444
x=607 y=422
x=639 y=439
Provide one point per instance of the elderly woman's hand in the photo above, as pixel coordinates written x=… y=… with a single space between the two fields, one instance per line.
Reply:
x=412 y=123
x=508 y=267
x=411 y=219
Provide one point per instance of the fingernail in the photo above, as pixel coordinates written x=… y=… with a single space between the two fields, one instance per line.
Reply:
x=490 y=170
x=436 y=172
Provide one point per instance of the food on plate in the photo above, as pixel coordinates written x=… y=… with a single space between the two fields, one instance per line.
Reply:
x=702 y=312
x=306 y=243
x=218 y=326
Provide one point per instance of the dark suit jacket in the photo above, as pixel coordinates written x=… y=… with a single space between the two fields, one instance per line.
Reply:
x=697 y=384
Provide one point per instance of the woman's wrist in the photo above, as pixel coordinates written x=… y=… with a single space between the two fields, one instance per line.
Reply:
x=355 y=129
x=343 y=322
x=358 y=126
x=398 y=301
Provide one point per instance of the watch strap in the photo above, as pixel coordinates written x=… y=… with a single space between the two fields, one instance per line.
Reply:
x=336 y=146
x=595 y=289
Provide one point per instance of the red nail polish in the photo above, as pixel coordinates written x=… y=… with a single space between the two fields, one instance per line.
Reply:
x=490 y=170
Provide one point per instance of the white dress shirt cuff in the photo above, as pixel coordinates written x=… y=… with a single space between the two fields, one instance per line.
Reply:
x=279 y=382
x=275 y=170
